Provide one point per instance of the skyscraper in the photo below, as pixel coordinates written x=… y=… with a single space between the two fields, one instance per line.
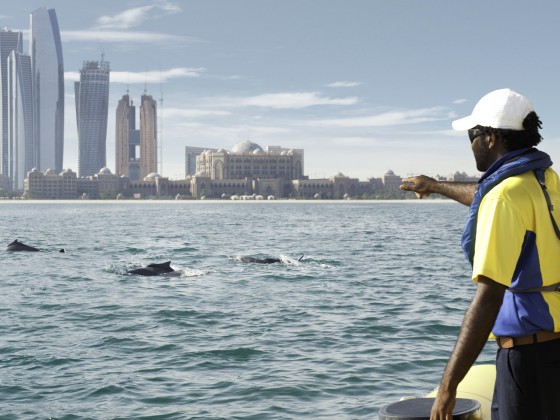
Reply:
x=20 y=118
x=92 y=106
x=47 y=67
x=127 y=139
x=191 y=152
x=9 y=41
x=148 y=136
x=136 y=149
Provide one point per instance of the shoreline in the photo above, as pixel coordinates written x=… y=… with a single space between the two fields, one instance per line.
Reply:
x=234 y=202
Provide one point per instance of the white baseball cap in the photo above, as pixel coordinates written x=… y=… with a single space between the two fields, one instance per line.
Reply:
x=502 y=108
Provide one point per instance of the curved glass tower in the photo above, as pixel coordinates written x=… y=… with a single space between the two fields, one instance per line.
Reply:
x=20 y=121
x=92 y=107
x=9 y=41
x=47 y=68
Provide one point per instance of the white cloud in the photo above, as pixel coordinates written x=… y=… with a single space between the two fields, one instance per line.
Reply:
x=124 y=20
x=459 y=101
x=136 y=16
x=152 y=76
x=122 y=36
x=193 y=113
x=287 y=100
x=233 y=133
x=169 y=7
x=343 y=84
x=388 y=118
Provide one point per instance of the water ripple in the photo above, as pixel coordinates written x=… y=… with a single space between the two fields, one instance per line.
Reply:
x=369 y=314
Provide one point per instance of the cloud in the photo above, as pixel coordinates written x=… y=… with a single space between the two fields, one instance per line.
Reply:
x=152 y=76
x=124 y=20
x=136 y=16
x=193 y=113
x=121 y=36
x=459 y=101
x=228 y=134
x=288 y=100
x=389 y=118
x=343 y=84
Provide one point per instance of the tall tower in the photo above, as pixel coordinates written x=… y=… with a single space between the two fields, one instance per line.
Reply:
x=20 y=118
x=148 y=136
x=127 y=139
x=9 y=41
x=92 y=107
x=47 y=67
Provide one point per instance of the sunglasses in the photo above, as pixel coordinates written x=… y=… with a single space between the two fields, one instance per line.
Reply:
x=475 y=132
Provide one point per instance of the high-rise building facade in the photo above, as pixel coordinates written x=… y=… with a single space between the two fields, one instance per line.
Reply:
x=20 y=118
x=47 y=67
x=191 y=153
x=9 y=41
x=127 y=140
x=92 y=107
x=148 y=136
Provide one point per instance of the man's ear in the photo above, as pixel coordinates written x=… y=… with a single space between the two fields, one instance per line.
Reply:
x=492 y=140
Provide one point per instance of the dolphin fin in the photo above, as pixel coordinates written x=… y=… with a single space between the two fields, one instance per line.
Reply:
x=159 y=264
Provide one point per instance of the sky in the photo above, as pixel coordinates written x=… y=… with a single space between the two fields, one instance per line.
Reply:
x=363 y=86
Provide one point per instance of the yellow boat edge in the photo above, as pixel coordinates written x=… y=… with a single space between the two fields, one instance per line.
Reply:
x=477 y=385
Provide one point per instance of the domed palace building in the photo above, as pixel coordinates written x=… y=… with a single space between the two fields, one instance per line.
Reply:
x=247 y=169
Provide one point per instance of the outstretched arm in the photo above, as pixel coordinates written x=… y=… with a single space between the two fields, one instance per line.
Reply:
x=423 y=186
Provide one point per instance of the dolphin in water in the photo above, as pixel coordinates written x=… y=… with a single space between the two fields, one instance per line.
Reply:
x=153 y=269
x=20 y=246
x=247 y=258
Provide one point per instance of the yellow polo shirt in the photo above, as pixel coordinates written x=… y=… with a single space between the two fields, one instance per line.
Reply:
x=516 y=246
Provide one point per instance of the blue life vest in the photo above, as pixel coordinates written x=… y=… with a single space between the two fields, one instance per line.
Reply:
x=511 y=164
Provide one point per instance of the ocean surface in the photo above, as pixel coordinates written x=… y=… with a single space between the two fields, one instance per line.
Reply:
x=369 y=314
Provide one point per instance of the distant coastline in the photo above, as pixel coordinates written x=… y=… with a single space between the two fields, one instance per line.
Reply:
x=233 y=202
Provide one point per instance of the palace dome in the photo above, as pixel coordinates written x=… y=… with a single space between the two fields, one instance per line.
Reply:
x=151 y=176
x=246 y=147
x=105 y=170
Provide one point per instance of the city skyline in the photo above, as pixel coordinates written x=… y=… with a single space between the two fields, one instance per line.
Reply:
x=32 y=106
x=377 y=83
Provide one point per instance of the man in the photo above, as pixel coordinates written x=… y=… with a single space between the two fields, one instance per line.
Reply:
x=511 y=242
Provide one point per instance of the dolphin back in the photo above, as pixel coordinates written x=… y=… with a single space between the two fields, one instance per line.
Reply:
x=153 y=269
x=247 y=258
x=164 y=266
x=20 y=246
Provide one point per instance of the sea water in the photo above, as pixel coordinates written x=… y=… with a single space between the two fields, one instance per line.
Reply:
x=367 y=316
